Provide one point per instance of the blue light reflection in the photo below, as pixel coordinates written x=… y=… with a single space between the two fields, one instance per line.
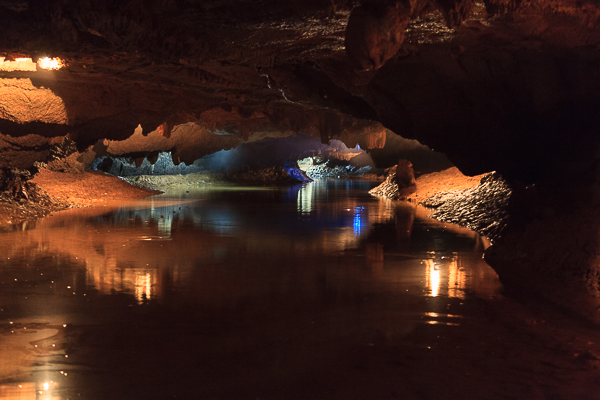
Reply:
x=358 y=220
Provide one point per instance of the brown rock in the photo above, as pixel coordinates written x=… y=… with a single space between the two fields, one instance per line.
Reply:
x=455 y=11
x=405 y=176
x=374 y=34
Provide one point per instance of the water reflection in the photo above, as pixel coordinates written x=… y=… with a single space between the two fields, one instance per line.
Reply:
x=305 y=198
x=432 y=274
x=141 y=248
x=358 y=220
x=453 y=275
x=29 y=391
x=215 y=274
x=108 y=277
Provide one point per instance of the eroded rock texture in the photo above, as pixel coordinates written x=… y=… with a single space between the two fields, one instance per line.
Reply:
x=483 y=208
x=399 y=182
x=505 y=85
x=374 y=34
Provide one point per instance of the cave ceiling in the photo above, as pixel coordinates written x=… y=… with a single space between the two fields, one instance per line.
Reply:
x=508 y=85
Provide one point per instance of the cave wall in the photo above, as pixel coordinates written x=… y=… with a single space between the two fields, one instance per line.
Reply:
x=476 y=80
x=526 y=113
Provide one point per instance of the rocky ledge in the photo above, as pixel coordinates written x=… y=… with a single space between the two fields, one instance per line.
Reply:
x=399 y=182
x=483 y=208
x=22 y=200
x=273 y=175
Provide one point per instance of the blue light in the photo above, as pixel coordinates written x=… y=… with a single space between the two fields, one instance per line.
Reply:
x=358 y=223
x=295 y=172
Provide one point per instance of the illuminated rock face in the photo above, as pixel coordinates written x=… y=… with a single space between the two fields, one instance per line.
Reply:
x=19 y=64
x=504 y=85
x=22 y=102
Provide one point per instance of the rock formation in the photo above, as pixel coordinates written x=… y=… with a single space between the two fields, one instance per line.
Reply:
x=399 y=182
x=405 y=175
x=375 y=33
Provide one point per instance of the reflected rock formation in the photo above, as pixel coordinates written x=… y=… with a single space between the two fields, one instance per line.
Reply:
x=161 y=245
x=501 y=85
x=224 y=278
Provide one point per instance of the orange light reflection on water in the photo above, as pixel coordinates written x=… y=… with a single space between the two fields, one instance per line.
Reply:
x=455 y=276
x=29 y=391
x=432 y=274
x=451 y=275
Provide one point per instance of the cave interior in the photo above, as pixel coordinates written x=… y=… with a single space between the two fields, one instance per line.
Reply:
x=186 y=86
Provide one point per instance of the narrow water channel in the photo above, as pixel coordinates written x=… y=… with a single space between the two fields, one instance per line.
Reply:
x=233 y=292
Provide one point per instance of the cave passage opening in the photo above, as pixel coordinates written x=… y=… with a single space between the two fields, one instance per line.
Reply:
x=291 y=159
x=292 y=154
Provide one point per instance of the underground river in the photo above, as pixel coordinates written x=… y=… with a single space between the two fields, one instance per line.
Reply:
x=313 y=291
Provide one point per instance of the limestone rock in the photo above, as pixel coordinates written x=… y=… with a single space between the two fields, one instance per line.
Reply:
x=455 y=11
x=399 y=182
x=405 y=176
x=483 y=208
x=374 y=34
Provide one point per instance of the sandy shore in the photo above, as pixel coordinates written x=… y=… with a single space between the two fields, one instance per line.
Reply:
x=90 y=188
x=51 y=191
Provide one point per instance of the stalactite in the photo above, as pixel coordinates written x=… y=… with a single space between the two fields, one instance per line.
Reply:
x=455 y=11
x=501 y=7
x=374 y=34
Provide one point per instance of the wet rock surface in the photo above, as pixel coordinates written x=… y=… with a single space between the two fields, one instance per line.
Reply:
x=483 y=208
x=330 y=170
x=399 y=182
x=336 y=162
x=390 y=189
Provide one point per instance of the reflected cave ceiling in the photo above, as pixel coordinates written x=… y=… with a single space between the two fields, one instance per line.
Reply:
x=506 y=85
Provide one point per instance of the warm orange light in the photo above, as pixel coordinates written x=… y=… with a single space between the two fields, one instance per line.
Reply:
x=433 y=277
x=19 y=64
x=24 y=102
x=50 y=63
x=27 y=64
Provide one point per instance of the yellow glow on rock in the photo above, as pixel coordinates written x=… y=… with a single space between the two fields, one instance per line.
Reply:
x=19 y=64
x=50 y=63
x=27 y=64
x=24 y=102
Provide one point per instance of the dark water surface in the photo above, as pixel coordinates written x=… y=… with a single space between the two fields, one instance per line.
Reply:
x=231 y=292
